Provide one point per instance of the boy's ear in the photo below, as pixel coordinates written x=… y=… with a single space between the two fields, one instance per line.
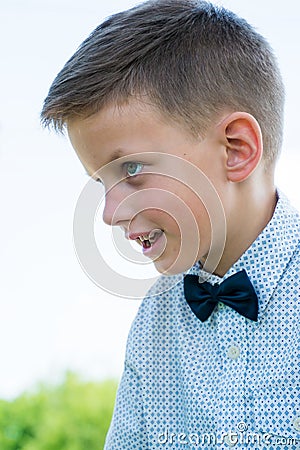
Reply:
x=242 y=136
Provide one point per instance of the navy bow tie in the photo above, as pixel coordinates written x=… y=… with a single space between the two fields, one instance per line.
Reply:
x=236 y=291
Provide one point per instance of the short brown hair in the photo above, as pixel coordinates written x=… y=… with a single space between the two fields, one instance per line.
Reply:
x=192 y=59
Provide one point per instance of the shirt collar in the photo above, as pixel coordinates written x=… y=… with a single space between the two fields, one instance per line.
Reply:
x=268 y=256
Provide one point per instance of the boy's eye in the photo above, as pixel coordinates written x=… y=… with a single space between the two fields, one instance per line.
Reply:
x=133 y=168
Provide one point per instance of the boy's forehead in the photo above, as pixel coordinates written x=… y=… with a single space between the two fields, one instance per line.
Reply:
x=108 y=119
x=119 y=130
x=119 y=114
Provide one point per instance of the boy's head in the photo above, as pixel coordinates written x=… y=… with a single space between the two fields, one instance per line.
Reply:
x=176 y=77
x=193 y=60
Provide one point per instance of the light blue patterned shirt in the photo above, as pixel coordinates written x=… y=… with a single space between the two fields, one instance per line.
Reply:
x=229 y=381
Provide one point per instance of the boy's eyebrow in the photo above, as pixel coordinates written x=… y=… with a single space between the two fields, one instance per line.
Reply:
x=118 y=153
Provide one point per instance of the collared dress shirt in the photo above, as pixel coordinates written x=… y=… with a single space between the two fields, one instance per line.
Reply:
x=226 y=382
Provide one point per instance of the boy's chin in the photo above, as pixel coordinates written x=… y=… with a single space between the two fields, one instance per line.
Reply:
x=173 y=268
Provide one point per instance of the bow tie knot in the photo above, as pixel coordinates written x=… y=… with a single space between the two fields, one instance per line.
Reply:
x=236 y=291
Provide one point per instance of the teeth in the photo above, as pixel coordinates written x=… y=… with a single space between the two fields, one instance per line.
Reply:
x=143 y=238
x=152 y=236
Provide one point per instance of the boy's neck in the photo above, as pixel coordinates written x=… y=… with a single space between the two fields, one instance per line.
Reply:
x=255 y=214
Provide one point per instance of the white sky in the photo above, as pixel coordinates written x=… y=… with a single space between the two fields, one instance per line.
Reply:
x=52 y=317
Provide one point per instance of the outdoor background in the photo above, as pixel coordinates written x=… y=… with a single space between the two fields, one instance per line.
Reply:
x=52 y=317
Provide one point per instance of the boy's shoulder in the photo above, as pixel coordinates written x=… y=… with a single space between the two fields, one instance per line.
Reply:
x=163 y=304
x=163 y=297
x=287 y=227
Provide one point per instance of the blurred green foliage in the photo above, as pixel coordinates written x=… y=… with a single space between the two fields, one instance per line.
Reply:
x=72 y=416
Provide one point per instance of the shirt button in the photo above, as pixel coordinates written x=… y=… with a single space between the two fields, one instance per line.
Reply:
x=296 y=423
x=233 y=352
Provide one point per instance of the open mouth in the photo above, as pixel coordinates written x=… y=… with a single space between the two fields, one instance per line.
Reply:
x=148 y=240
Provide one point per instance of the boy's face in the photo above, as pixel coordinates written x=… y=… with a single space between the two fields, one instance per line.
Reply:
x=154 y=173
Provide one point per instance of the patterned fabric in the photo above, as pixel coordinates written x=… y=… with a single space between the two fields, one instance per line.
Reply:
x=225 y=382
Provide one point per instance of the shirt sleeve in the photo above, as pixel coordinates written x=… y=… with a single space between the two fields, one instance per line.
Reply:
x=127 y=430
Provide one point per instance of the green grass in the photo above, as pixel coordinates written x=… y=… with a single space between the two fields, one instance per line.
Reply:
x=74 y=415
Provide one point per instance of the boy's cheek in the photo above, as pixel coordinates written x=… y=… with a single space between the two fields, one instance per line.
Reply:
x=186 y=240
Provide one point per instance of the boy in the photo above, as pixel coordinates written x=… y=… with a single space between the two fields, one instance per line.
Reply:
x=176 y=106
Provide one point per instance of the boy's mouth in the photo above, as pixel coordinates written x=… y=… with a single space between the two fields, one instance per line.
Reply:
x=146 y=239
x=149 y=239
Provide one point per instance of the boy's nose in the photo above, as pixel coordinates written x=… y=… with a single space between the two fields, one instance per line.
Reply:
x=116 y=210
